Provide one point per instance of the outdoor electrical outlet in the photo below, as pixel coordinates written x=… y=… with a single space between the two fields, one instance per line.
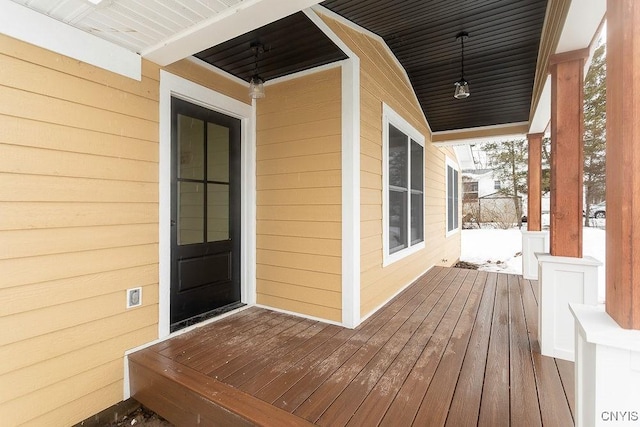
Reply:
x=134 y=297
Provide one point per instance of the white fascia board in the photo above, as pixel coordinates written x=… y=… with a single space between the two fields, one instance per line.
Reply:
x=235 y=21
x=542 y=115
x=200 y=63
x=487 y=134
x=33 y=27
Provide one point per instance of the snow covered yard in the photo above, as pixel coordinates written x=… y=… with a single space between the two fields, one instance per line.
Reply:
x=501 y=250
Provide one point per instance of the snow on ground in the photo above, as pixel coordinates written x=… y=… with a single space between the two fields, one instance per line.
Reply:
x=501 y=250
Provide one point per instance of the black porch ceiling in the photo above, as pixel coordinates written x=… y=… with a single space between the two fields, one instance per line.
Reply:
x=500 y=53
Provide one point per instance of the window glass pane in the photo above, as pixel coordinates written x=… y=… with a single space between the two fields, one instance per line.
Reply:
x=417 y=222
x=417 y=169
x=190 y=213
x=397 y=220
x=217 y=212
x=455 y=199
x=398 y=158
x=217 y=153
x=449 y=198
x=190 y=148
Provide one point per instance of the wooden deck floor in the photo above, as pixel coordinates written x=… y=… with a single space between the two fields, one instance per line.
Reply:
x=457 y=348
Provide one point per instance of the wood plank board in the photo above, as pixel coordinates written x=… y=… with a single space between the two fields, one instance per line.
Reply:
x=456 y=348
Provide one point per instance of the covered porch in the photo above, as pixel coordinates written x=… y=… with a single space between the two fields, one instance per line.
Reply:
x=457 y=347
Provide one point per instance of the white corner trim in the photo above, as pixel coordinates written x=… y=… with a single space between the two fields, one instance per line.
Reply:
x=351 y=193
x=25 y=24
x=350 y=177
x=239 y=19
x=172 y=85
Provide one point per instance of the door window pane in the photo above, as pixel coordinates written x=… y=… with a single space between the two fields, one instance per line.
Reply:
x=190 y=148
x=217 y=212
x=190 y=213
x=217 y=153
x=397 y=220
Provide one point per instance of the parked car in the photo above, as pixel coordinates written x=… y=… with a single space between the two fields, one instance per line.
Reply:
x=598 y=211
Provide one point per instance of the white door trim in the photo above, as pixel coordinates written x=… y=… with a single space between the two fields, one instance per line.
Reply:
x=172 y=85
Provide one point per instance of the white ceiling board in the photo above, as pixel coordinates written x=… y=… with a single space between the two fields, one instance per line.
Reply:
x=235 y=21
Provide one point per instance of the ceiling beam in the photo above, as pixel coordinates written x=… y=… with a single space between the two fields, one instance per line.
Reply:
x=235 y=21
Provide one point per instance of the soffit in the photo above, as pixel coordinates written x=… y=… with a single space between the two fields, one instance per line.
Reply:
x=500 y=53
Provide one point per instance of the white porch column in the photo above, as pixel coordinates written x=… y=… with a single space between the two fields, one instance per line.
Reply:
x=561 y=281
x=533 y=243
x=607 y=370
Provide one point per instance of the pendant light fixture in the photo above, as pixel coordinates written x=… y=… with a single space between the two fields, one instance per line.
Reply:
x=462 y=86
x=256 y=84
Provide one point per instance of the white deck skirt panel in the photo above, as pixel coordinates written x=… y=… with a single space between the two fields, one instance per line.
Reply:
x=235 y=21
x=563 y=281
x=533 y=242
x=25 y=24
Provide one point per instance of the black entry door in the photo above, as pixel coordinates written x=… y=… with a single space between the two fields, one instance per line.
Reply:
x=205 y=213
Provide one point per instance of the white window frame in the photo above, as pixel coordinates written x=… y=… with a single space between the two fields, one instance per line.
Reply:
x=450 y=164
x=390 y=117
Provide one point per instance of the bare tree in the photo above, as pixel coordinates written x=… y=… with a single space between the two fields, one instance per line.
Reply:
x=509 y=160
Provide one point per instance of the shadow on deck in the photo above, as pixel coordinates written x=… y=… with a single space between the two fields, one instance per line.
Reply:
x=456 y=348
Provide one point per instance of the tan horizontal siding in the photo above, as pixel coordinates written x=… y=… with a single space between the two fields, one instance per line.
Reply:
x=37 y=161
x=311 y=212
x=36 y=134
x=28 y=270
x=51 y=371
x=91 y=403
x=46 y=188
x=29 y=243
x=299 y=196
x=303 y=278
x=382 y=81
x=299 y=245
x=49 y=398
x=78 y=226
x=53 y=292
x=35 y=215
x=199 y=74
